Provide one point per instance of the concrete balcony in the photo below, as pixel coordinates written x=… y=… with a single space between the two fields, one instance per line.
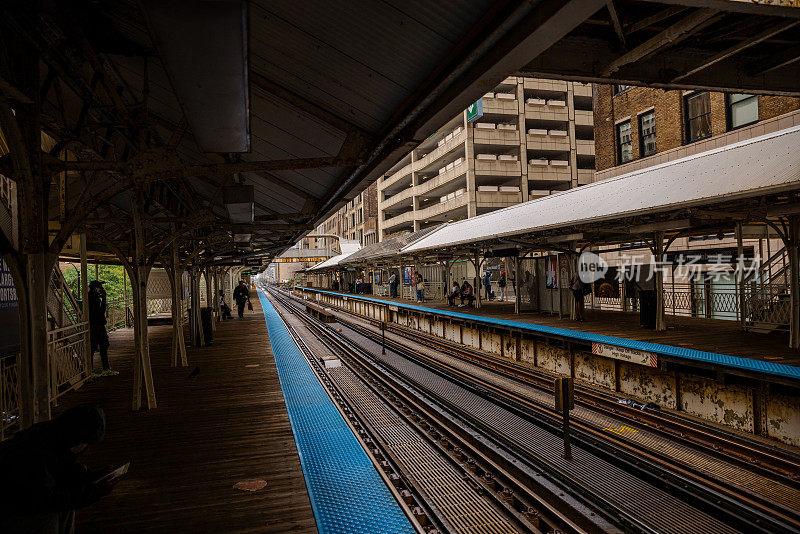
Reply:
x=404 y=218
x=500 y=106
x=585 y=176
x=440 y=151
x=496 y=137
x=396 y=177
x=497 y=168
x=536 y=84
x=584 y=118
x=495 y=198
x=550 y=140
x=405 y=194
x=539 y=109
x=440 y=208
x=456 y=173
x=543 y=176
x=585 y=147
x=582 y=89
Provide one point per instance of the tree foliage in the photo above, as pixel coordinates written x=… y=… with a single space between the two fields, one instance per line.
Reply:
x=111 y=275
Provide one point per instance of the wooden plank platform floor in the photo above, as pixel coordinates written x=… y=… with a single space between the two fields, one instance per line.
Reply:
x=227 y=424
x=710 y=335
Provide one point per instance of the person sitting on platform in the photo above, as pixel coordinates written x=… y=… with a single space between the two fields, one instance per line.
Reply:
x=242 y=296
x=43 y=484
x=455 y=292
x=467 y=293
x=223 y=306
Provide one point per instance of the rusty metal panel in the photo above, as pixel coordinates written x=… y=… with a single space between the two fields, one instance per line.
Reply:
x=648 y=384
x=594 y=369
x=783 y=418
x=728 y=404
x=554 y=359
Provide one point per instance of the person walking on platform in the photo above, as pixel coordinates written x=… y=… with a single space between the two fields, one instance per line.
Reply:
x=455 y=292
x=487 y=285
x=97 y=322
x=242 y=296
x=468 y=293
x=393 y=285
x=502 y=284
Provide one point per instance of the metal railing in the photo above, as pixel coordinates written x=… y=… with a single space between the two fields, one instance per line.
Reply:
x=66 y=350
x=9 y=394
x=119 y=313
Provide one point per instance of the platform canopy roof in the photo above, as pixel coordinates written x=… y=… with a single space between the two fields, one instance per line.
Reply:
x=753 y=181
x=388 y=248
x=307 y=102
x=348 y=248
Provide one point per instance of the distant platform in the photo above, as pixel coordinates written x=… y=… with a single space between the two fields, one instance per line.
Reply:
x=711 y=341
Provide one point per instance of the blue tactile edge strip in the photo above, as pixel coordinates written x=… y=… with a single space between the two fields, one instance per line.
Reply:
x=770 y=368
x=347 y=493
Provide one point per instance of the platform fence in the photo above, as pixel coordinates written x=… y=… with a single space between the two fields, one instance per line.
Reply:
x=9 y=394
x=69 y=363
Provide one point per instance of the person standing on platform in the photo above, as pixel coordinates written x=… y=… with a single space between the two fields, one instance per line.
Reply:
x=393 y=285
x=487 y=285
x=502 y=285
x=97 y=322
x=241 y=295
x=576 y=286
x=420 y=288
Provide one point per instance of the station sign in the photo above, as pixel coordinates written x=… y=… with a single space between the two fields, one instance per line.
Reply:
x=299 y=260
x=475 y=110
x=252 y=262
x=640 y=357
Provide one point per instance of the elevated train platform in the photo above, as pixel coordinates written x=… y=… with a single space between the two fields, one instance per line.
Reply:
x=224 y=424
x=704 y=368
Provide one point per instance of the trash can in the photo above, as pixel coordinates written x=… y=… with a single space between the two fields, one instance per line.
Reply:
x=647 y=309
x=206 y=322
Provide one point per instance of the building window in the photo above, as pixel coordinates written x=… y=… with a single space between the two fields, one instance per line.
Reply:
x=624 y=142
x=698 y=116
x=618 y=88
x=647 y=133
x=742 y=109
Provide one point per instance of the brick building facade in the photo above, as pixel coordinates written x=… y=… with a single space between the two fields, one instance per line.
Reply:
x=614 y=106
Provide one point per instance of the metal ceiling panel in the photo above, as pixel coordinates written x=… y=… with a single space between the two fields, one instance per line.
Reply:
x=204 y=47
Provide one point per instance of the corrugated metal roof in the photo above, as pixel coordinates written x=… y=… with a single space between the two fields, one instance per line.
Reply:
x=389 y=247
x=765 y=164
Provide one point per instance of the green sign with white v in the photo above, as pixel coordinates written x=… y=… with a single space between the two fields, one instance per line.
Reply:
x=475 y=111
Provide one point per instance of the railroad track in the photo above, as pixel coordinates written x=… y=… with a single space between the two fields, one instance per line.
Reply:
x=753 y=511
x=526 y=511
